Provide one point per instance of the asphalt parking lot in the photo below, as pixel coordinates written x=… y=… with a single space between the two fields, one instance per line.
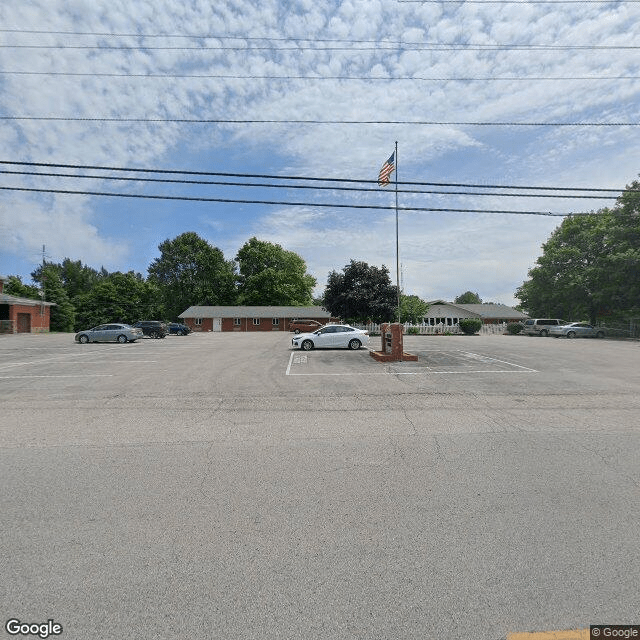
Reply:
x=225 y=485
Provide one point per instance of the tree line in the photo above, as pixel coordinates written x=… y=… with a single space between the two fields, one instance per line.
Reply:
x=590 y=266
x=190 y=271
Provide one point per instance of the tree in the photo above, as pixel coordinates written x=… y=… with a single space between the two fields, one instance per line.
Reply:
x=270 y=275
x=190 y=271
x=412 y=309
x=15 y=287
x=63 y=312
x=118 y=297
x=361 y=293
x=468 y=297
x=76 y=278
x=590 y=266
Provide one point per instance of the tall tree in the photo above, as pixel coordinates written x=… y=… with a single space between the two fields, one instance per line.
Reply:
x=270 y=275
x=63 y=312
x=361 y=293
x=468 y=297
x=590 y=266
x=190 y=271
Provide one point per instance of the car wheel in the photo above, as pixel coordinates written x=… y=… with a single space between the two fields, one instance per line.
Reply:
x=83 y=339
x=354 y=344
x=122 y=338
x=183 y=333
x=571 y=334
x=307 y=345
x=155 y=335
x=297 y=331
x=544 y=333
x=600 y=334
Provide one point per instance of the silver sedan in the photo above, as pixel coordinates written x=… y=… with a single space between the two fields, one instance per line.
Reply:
x=576 y=330
x=332 y=336
x=110 y=333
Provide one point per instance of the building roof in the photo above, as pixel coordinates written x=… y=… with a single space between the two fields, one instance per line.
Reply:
x=255 y=312
x=5 y=298
x=486 y=310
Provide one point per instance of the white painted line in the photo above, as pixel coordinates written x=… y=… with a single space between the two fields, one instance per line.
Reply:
x=412 y=373
x=290 y=363
x=81 y=375
x=477 y=356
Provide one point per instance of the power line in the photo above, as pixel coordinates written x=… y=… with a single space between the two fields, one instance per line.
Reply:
x=298 y=186
x=376 y=44
x=289 y=203
x=290 y=177
x=378 y=47
x=317 y=122
x=300 y=77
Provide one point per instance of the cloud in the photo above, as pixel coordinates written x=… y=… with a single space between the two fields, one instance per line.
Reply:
x=345 y=60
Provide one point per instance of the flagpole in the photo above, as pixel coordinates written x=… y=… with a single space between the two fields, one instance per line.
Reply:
x=397 y=238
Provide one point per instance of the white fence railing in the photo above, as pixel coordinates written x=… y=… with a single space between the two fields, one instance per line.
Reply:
x=438 y=329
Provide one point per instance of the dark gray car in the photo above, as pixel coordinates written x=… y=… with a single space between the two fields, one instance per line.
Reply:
x=109 y=333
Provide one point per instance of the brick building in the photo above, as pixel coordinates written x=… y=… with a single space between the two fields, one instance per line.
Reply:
x=23 y=315
x=241 y=318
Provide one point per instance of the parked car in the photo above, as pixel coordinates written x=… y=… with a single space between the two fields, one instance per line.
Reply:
x=577 y=330
x=152 y=328
x=300 y=325
x=332 y=335
x=109 y=333
x=178 y=329
x=540 y=326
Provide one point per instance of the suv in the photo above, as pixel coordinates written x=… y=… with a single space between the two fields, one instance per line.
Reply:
x=540 y=326
x=304 y=325
x=152 y=328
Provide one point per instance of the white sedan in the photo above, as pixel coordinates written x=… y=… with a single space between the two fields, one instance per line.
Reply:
x=332 y=336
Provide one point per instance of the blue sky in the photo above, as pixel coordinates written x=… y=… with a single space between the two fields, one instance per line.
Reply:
x=325 y=60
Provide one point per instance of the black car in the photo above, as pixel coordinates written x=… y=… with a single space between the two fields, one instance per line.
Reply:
x=178 y=329
x=152 y=328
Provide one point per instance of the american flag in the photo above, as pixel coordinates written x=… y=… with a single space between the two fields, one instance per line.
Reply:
x=386 y=171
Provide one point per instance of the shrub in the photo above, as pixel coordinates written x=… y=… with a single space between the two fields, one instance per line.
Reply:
x=413 y=331
x=469 y=326
x=514 y=328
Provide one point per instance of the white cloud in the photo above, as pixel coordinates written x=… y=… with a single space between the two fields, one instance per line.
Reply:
x=441 y=252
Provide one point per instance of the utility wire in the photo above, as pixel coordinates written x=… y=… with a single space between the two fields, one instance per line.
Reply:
x=288 y=203
x=319 y=122
x=289 y=177
x=299 y=77
x=298 y=186
x=379 y=47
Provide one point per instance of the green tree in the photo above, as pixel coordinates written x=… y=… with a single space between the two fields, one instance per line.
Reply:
x=412 y=309
x=590 y=266
x=118 y=297
x=270 y=275
x=76 y=278
x=15 y=287
x=63 y=312
x=190 y=271
x=468 y=297
x=361 y=293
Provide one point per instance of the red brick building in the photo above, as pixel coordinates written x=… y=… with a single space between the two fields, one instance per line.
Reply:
x=240 y=318
x=23 y=315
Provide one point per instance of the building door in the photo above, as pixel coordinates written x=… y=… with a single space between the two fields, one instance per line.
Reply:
x=217 y=324
x=24 y=323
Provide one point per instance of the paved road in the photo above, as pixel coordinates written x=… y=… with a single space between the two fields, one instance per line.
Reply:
x=223 y=486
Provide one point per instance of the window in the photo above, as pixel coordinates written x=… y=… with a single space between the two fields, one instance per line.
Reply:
x=198 y=322
x=275 y=321
x=256 y=322
x=237 y=322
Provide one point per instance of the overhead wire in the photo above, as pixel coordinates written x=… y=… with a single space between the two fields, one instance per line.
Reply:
x=334 y=205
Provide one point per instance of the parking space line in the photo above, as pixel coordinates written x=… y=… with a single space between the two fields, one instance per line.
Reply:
x=76 y=375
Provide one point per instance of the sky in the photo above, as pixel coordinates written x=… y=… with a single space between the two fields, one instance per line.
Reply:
x=474 y=93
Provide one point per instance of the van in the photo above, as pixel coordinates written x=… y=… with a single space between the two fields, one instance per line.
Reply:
x=540 y=326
